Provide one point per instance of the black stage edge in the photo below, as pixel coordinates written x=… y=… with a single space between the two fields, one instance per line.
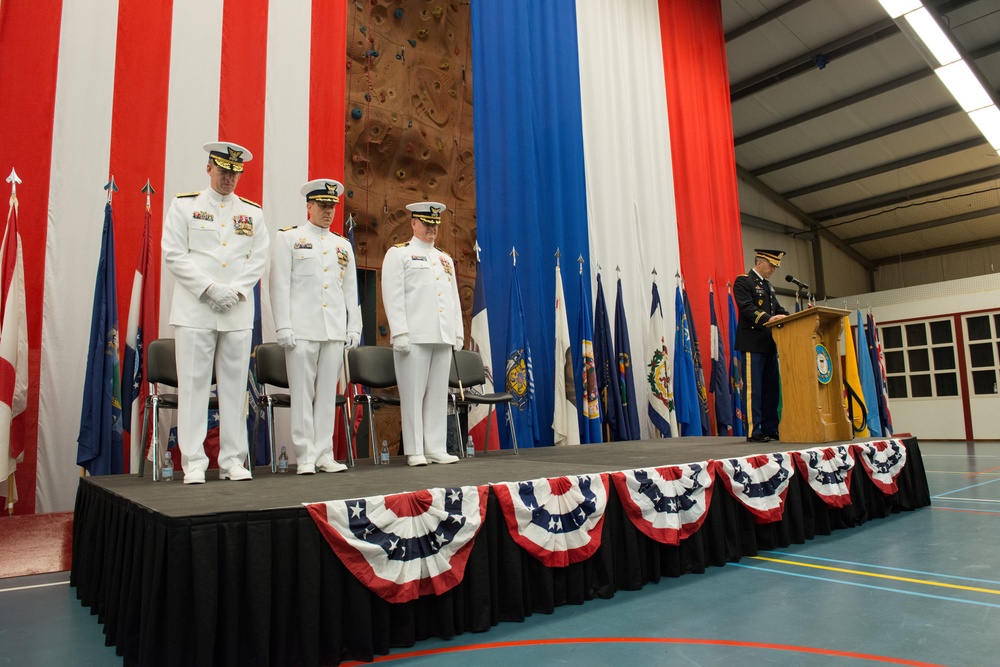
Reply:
x=236 y=573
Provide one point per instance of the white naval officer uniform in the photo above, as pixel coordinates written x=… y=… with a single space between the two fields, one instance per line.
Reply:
x=420 y=296
x=313 y=291
x=210 y=238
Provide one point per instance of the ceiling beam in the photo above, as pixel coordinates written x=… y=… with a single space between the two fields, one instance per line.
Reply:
x=862 y=38
x=808 y=220
x=886 y=167
x=901 y=126
x=921 y=226
x=764 y=19
x=937 y=252
x=907 y=194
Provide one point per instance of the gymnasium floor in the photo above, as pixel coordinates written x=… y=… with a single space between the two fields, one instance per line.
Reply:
x=919 y=588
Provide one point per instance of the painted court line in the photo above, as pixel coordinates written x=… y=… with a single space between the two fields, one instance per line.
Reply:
x=947 y=493
x=25 y=588
x=885 y=567
x=860 y=585
x=409 y=655
x=891 y=577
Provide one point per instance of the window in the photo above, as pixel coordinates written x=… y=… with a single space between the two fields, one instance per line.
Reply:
x=920 y=359
x=983 y=335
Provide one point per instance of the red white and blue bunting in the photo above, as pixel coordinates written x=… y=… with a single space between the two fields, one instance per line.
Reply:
x=666 y=504
x=828 y=471
x=405 y=545
x=883 y=461
x=759 y=483
x=558 y=520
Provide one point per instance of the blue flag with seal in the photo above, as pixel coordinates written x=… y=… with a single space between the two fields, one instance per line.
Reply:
x=719 y=382
x=519 y=379
x=586 y=371
x=687 y=403
x=628 y=428
x=867 y=374
x=660 y=384
x=99 y=446
x=607 y=368
x=699 y=371
x=735 y=379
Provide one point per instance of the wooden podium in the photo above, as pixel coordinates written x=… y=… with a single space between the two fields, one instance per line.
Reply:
x=812 y=387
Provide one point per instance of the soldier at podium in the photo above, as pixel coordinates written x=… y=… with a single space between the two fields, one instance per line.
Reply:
x=758 y=304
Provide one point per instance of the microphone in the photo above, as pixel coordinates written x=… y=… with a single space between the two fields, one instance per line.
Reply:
x=790 y=279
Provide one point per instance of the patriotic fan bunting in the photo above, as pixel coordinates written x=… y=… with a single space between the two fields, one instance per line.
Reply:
x=759 y=483
x=828 y=470
x=667 y=504
x=558 y=520
x=405 y=545
x=883 y=460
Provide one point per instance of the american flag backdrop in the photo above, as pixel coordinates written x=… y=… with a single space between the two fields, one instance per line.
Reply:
x=643 y=176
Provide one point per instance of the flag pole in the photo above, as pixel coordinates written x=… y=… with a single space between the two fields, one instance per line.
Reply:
x=111 y=187
x=13 y=179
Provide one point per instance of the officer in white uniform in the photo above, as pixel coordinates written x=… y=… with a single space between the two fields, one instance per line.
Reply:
x=420 y=296
x=314 y=298
x=216 y=246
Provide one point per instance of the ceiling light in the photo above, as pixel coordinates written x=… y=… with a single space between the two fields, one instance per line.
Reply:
x=933 y=37
x=964 y=86
x=897 y=8
x=987 y=120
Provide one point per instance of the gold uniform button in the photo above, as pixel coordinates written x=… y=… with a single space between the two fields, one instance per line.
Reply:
x=223 y=224
x=326 y=286
x=224 y=243
x=324 y=305
x=223 y=265
x=325 y=269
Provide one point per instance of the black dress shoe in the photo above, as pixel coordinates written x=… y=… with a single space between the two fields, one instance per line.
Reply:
x=772 y=436
x=760 y=437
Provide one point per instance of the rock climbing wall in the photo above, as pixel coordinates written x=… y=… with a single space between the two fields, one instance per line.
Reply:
x=409 y=138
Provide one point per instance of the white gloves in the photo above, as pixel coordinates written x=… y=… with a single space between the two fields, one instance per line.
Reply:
x=286 y=338
x=401 y=343
x=353 y=339
x=459 y=344
x=222 y=297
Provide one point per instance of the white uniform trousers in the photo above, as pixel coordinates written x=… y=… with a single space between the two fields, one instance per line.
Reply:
x=422 y=379
x=198 y=350
x=313 y=370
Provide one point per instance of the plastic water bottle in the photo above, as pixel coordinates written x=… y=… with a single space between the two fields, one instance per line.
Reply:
x=283 y=460
x=167 y=474
x=470 y=449
x=383 y=456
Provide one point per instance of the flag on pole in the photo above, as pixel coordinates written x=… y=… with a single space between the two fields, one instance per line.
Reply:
x=586 y=370
x=699 y=371
x=480 y=333
x=735 y=379
x=686 y=400
x=852 y=384
x=565 y=427
x=99 y=446
x=626 y=380
x=341 y=440
x=143 y=314
x=520 y=381
x=661 y=387
x=607 y=369
x=881 y=383
x=719 y=381
x=868 y=380
x=262 y=453
x=13 y=351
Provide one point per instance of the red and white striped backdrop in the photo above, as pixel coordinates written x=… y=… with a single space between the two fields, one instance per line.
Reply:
x=133 y=88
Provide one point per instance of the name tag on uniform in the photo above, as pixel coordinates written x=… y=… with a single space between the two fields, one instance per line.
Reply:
x=203 y=215
x=342 y=256
x=243 y=225
x=418 y=258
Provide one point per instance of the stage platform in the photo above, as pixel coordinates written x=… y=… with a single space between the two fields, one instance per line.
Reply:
x=237 y=573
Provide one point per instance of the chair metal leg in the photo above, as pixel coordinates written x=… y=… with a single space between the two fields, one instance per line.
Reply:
x=155 y=407
x=489 y=422
x=269 y=415
x=513 y=431
x=458 y=423
x=347 y=436
x=142 y=436
x=371 y=432
x=254 y=434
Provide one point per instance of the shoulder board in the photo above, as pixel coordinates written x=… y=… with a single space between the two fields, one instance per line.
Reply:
x=252 y=203
x=288 y=229
x=742 y=275
x=442 y=252
x=187 y=194
x=401 y=245
x=339 y=236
